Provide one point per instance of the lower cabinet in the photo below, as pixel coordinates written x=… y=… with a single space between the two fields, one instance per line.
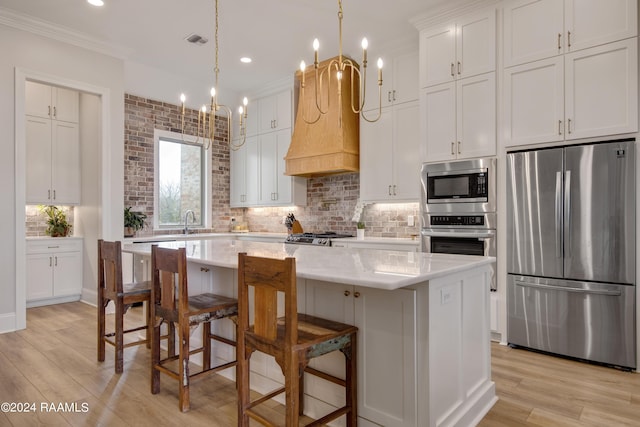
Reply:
x=387 y=389
x=54 y=270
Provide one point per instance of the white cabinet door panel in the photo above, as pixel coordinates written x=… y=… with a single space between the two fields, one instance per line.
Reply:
x=66 y=105
x=376 y=151
x=38 y=100
x=65 y=158
x=533 y=29
x=67 y=271
x=39 y=276
x=476 y=118
x=405 y=78
x=252 y=164
x=268 y=185
x=476 y=47
x=594 y=22
x=437 y=55
x=406 y=151
x=38 y=158
x=439 y=121
x=534 y=102
x=601 y=90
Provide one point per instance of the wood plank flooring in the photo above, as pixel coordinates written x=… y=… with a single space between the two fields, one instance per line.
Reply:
x=54 y=361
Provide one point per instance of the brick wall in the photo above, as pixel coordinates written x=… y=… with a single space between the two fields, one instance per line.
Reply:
x=331 y=200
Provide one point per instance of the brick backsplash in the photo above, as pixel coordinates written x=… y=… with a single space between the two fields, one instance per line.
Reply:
x=36 y=221
x=331 y=200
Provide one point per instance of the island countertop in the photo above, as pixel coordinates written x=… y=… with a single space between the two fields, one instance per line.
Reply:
x=380 y=269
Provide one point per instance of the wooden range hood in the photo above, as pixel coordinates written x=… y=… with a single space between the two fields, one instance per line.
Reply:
x=324 y=147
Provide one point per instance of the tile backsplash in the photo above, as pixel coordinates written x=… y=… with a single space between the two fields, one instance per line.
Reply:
x=36 y=221
x=331 y=200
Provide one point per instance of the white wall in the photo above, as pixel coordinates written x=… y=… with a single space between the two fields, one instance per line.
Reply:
x=24 y=53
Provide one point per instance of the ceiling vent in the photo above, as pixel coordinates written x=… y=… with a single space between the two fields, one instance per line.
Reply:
x=196 y=39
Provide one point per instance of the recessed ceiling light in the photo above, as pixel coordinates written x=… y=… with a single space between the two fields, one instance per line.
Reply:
x=245 y=59
x=96 y=2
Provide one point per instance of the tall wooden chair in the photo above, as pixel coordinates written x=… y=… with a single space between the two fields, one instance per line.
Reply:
x=171 y=303
x=111 y=288
x=292 y=340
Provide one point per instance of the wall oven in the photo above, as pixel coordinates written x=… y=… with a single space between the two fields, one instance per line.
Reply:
x=458 y=208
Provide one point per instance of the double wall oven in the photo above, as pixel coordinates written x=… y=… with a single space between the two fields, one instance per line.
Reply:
x=458 y=208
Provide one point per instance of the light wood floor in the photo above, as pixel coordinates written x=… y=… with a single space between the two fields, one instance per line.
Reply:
x=54 y=361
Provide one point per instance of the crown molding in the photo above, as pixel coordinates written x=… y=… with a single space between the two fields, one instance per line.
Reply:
x=449 y=10
x=60 y=33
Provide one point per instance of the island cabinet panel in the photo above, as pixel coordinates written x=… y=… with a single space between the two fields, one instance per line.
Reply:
x=386 y=350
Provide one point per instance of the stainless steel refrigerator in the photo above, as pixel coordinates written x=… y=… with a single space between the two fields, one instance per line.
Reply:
x=571 y=251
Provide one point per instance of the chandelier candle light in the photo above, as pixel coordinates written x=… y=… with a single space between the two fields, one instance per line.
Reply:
x=206 y=128
x=340 y=66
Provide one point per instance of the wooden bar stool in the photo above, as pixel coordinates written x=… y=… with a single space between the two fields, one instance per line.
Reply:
x=292 y=340
x=111 y=288
x=171 y=303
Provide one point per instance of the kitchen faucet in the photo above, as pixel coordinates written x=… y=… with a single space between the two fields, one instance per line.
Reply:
x=186 y=220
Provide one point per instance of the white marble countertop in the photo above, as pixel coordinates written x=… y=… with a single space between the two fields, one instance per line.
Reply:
x=202 y=236
x=373 y=268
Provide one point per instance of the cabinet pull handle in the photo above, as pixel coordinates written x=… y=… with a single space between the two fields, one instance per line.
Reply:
x=559 y=127
x=54 y=194
x=48 y=194
x=389 y=96
x=452 y=70
x=394 y=94
x=569 y=126
x=55 y=112
x=356 y=294
x=569 y=39
x=394 y=189
x=49 y=110
x=453 y=153
x=204 y=269
x=458 y=67
x=56 y=261
x=50 y=261
x=459 y=150
x=347 y=293
x=559 y=41
x=389 y=190
x=53 y=247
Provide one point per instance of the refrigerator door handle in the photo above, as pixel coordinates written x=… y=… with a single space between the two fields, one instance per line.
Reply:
x=567 y=289
x=567 y=212
x=558 y=214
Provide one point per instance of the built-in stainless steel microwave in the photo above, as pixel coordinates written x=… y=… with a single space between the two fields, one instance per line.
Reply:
x=460 y=186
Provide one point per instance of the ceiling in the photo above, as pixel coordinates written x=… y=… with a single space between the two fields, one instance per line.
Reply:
x=276 y=34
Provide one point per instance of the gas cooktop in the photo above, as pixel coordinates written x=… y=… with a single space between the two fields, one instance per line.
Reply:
x=319 y=239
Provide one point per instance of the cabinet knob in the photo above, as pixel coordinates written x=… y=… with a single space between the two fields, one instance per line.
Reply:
x=356 y=294
x=347 y=293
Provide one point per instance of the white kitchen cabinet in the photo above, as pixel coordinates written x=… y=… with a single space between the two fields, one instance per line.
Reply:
x=460 y=49
x=459 y=119
x=54 y=270
x=399 y=82
x=389 y=155
x=51 y=102
x=276 y=188
x=53 y=162
x=588 y=93
x=538 y=29
x=274 y=112
x=244 y=178
x=387 y=389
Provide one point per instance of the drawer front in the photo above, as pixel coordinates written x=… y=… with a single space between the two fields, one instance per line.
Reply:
x=61 y=244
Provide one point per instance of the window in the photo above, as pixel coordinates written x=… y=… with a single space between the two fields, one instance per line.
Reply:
x=180 y=184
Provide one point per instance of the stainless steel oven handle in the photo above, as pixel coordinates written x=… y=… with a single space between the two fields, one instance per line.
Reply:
x=479 y=234
x=566 y=289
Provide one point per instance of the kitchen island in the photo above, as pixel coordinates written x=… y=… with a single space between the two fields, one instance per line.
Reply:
x=423 y=319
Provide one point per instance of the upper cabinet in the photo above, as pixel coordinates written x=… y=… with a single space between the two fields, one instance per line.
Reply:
x=274 y=112
x=51 y=102
x=571 y=70
x=399 y=82
x=539 y=29
x=257 y=168
x=464 y=48
x=52 y=145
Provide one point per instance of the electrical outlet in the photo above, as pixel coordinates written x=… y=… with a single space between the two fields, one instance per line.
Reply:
x=410 y=221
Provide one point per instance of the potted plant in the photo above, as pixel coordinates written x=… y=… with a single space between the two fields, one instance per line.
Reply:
x=360 y=230
x=133 y=221
x=57 y=225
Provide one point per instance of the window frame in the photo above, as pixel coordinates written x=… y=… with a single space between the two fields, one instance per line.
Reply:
x=206 y=179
